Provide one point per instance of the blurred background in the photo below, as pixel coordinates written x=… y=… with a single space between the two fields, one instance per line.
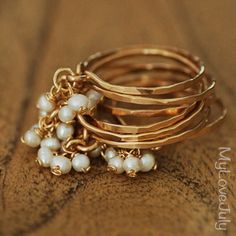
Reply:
x=37 y=37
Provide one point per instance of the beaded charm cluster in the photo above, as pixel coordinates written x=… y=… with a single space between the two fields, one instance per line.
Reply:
x=64 y=144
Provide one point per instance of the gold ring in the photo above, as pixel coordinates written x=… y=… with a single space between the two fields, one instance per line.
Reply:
x=121 y=105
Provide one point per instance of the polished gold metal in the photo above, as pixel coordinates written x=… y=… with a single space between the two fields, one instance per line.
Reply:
x=112 y=169
x=56 y=170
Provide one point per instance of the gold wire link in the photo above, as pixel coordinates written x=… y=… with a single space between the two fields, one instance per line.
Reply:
x=48 y=123
x=61 y=74
x=73 y=146
x=65 y=84
x=53 y=93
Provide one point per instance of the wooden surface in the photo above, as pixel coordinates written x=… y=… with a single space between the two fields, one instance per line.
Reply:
x=181 y=198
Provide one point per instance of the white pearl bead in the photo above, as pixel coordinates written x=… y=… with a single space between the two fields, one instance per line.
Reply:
x=131 y=163
x=78 y=101
x=110 y=153
x=45 y=156
x=66 y=114
x=51 y=143
x=117 y=163
x=92 y=94
x=44 y=104
x=96 y=152
x=80 y=163
x=64 y=131
x=31 y=138
x=62 y=163
x=147 y=161
x=93 y=97
x=42 y=113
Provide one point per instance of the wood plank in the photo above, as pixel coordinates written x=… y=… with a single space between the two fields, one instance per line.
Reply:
x=181 y=198
x=23 y=35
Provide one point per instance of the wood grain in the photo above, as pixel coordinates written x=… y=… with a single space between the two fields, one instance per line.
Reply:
x=181 y=198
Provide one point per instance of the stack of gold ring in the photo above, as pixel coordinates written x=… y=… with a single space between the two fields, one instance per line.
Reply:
x=123 y=105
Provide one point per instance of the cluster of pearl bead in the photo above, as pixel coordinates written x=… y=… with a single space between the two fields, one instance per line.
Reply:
x=131 y=163
x=51 y=154
x=50 y=146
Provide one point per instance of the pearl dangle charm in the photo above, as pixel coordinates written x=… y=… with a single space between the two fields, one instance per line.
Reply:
x=66 y=114
x=45 y=156
x=147 y=162
x=53 y=139
x=81 y=163
x=131 y=165
x=44 y=104
x=115 y=165
x=31 y=138
x=64 y=142
x=78 y=102
x=60 y=165
x=119 y=161
x=51 y=142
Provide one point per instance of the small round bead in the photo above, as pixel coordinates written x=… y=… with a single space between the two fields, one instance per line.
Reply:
x=147 y=161
x=64 y=131
x=44 y=104
x=96 y=152
x=81 y=163
x=45 y=156
x=66 y=114
x=31 y=138
x=131 y=163
x=110 y=153
x=42 y=113
x=117 y=164
x=51 y=143
x=92 y=94
x=93 y=97
x=61 y=164
x=78 y=101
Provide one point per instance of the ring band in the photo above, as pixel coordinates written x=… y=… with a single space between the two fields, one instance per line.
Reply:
x=199 y=99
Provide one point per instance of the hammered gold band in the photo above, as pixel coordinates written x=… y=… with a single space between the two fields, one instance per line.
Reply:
x=183 y=103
